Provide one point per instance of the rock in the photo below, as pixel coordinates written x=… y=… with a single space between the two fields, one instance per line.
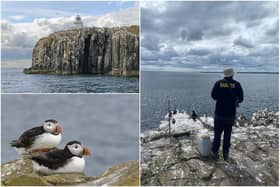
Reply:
x=265 y=118
x=124 y=174
x=112 y=51
x=19 y=172
x=175 y=160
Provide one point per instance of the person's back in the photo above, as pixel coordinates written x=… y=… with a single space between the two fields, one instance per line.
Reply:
x=228 y=94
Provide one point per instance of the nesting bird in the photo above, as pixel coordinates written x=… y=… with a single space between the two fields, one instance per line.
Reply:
x=39 y=139
x=67 y=160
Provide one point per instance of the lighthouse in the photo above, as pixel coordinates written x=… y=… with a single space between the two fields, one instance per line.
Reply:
x=78 y=22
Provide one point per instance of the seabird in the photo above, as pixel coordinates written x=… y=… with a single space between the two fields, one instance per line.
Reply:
x=67 y=160
x=39 y=139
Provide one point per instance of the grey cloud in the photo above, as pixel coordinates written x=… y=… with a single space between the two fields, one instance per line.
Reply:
x=201 y=52
x=211 y=34
x=151 y=42
x=190 y=35
x=240 y=41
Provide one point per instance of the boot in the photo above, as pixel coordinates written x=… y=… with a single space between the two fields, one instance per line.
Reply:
x=225 y=156
x=216 y=156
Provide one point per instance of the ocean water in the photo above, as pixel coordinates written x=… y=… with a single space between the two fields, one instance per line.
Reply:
x=107 y=124
x=15 y=81
x=192 y=91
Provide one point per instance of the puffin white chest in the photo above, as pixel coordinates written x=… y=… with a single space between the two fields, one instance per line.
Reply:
x=74 y=164
x=46 y=140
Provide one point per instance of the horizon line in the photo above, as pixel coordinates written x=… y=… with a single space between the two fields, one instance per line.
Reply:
x=272 y=72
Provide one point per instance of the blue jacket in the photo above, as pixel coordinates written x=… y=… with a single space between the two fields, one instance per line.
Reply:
x=227 y=92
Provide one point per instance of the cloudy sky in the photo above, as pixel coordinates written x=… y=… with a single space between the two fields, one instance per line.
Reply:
x=23 y=23
x=209 y=36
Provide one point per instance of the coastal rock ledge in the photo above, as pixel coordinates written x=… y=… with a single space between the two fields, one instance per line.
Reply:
x=113 y=51
x=174 y=160
x=19 y=173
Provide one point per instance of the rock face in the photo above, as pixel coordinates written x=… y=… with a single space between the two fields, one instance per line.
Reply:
x=113 y=51
x=174 y=159
x=19 y=173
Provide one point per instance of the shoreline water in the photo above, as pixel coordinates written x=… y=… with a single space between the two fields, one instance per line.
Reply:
x=239 y=117
x=15 y=81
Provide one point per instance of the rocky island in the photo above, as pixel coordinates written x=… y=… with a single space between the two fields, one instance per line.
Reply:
x=113 y=51
x=19 y=173
x=172 y=159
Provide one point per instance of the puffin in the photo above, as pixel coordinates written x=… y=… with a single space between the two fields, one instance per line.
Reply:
x=67 y=160
x=39 y=139
x=194 y=116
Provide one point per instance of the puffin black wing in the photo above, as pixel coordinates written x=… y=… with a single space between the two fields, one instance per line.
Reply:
x=53 y=159
x=28 y=137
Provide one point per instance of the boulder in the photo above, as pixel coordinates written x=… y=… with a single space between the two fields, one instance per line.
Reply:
x=19 y=172
x=113 y=51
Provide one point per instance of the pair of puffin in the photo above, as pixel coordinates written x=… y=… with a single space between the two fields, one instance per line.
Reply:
x=42 y=141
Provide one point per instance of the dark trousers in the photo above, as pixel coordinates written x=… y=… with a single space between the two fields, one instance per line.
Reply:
x=220 y=126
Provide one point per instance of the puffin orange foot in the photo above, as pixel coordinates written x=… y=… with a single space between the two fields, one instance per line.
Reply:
x=43 y=150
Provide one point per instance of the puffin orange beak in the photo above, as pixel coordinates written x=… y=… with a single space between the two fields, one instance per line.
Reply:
x=86 y=151
x=58 y=129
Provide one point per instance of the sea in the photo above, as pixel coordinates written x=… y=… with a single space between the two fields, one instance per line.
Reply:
x=15 y=81
x=189 y=91
x=108 y=124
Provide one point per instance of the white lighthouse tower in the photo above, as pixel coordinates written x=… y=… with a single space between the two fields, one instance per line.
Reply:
x=78 y=22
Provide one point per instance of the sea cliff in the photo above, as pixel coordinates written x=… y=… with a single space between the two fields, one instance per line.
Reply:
x=113 y=51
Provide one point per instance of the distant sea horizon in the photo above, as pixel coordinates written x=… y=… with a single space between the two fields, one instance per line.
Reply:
x=249 y=72
x=189 y=91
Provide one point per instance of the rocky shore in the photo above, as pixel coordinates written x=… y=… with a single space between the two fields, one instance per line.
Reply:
x=19 y=173
x=113 y=51
x=175 y=160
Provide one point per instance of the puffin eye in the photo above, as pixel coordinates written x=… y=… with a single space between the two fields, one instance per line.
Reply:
x=76 y=147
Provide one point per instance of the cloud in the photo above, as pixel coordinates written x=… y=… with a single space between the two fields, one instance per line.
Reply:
x=210 y=35
x=240 y=41
x=25 y=34
x=151 y=43
x=17 y=17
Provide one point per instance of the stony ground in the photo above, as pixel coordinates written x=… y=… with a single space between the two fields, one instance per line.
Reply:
x=19 y=173
x=175 y=160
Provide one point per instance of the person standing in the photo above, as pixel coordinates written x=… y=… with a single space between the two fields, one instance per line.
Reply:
x=228 y=94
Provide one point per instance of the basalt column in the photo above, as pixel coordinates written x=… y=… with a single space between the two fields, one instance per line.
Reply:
x=113 y=51
x=84 y=61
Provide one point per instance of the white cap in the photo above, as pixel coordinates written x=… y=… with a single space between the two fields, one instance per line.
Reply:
x=228 y=72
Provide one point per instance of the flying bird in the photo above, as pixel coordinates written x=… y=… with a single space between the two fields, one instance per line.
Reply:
x=39 y=139
x=67 y=160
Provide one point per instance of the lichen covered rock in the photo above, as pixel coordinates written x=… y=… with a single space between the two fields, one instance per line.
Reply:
x=169 y=159
x=113 y=51
x=19 y=172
